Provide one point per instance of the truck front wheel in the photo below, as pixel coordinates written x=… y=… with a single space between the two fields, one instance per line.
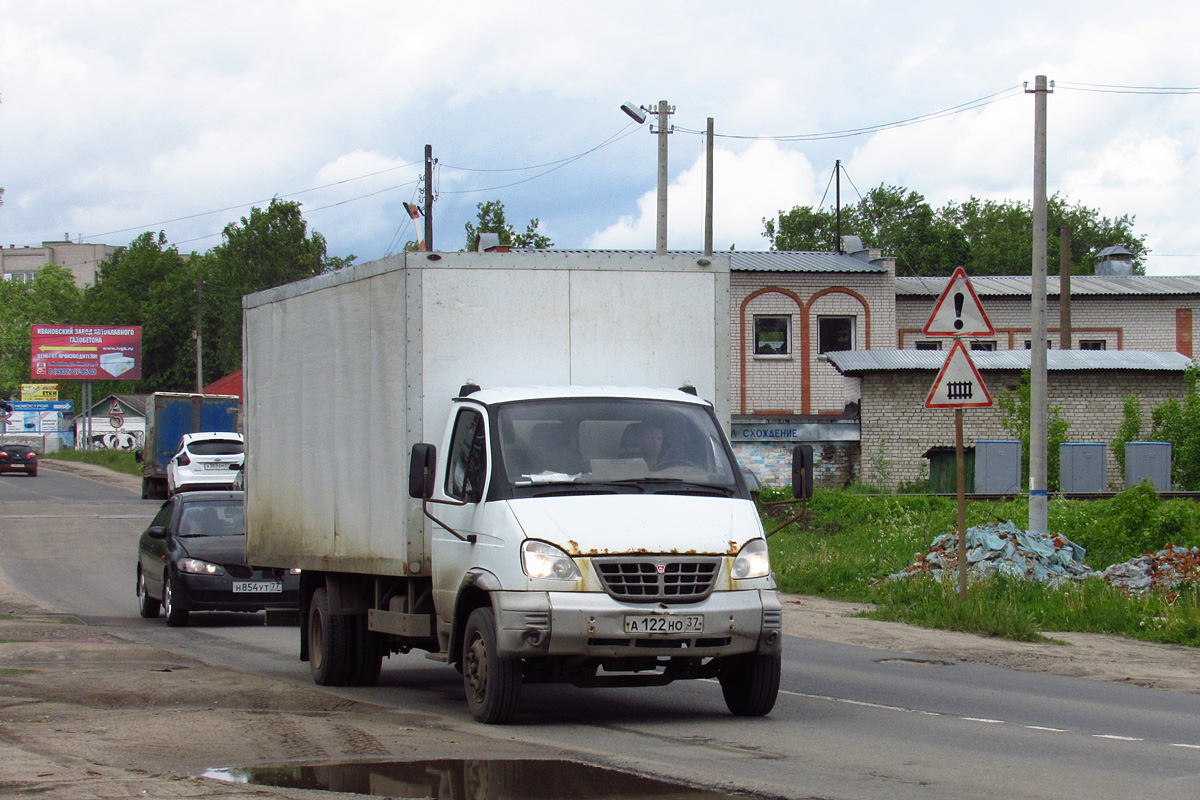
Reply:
x=328 y=642
x=492 y=684
x=750 y=683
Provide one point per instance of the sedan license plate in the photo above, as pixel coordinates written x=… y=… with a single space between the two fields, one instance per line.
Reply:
x=661 y=623
x=216 y=466
x=258 y=587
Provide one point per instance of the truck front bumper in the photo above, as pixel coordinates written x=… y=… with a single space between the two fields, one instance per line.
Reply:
x=593 y=624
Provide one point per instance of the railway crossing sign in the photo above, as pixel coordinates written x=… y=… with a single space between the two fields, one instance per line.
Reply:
x=958 y=311
x=959 y=384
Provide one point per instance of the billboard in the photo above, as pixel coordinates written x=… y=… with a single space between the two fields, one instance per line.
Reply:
x=35 y=417
x=34 y=392
x=86 y=352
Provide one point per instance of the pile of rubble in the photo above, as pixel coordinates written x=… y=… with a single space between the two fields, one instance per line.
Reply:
x=1004 y=549
x=1161 y=571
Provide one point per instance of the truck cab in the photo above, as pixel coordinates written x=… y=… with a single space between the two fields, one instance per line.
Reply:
x=605 y=537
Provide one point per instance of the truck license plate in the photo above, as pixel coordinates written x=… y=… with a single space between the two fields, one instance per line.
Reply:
x=660 y=623
x=216 y=466
x=258 y=587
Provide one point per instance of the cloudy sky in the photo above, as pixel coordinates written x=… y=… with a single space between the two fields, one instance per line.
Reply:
x=122 y=117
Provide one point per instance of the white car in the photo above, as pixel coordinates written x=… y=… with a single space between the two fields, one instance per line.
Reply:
x=205 y=461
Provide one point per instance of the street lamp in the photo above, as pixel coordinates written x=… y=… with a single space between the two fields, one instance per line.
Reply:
x=639 y=115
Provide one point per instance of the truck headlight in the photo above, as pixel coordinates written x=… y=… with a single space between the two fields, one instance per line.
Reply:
x=543 y=560
x=752 y=561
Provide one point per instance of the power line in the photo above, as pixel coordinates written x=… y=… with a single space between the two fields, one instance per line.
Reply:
x=970 y=105
x=1116 y=89
x=243 y=205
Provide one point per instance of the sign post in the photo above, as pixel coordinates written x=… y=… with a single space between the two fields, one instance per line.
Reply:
x=959 y=385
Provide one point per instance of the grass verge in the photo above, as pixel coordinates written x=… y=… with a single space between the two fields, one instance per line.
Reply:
x=117 y=460
x=847 y=542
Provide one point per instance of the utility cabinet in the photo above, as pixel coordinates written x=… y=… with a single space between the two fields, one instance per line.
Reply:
x=997 y=467
x=1082 y=467
x=1148 y=461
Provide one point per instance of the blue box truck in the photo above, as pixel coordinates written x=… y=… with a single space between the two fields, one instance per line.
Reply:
x=169 y=415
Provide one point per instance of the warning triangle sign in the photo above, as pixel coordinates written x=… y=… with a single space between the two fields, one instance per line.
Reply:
x=958 y=385
x=115 y=408
x=958 y=311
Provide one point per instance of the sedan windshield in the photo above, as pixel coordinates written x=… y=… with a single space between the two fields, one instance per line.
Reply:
x=614 y=444
x=212 y=519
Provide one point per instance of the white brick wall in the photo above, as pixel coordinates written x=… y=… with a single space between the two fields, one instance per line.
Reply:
x=894 y=414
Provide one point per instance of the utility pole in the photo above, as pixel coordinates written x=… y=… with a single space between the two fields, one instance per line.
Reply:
x=664 y=128
x=429 y=197
x=1064 y=288
x=837 y=206
x=199 y=341
x=708 y=193
x=1038 y=394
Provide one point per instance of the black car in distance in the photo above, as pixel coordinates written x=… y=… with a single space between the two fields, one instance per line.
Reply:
x=192 y=558
x=18 y=458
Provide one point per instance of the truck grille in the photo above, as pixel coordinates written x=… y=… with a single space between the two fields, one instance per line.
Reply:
x=650 y=579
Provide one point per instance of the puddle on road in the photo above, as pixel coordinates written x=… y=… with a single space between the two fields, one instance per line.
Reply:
x=469 y=779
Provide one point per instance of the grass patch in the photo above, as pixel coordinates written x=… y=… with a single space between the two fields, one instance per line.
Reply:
x=116 y=460
x=848 y=541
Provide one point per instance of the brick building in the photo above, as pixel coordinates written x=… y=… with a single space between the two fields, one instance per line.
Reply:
x=827 y=350
x=22 y=263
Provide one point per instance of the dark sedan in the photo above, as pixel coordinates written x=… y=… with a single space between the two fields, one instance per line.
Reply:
x=18 y=458
x=192 y=558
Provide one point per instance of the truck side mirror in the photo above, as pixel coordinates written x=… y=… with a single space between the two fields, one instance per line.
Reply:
x=137 y=456
x=421 y=469
x=802 y=471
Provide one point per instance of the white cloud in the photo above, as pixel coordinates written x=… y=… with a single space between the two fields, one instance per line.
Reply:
x=747 y=187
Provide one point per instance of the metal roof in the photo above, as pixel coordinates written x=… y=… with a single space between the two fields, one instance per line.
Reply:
x=850 y=362
x=775 y=260
x=800 y=261
x=1022 y=285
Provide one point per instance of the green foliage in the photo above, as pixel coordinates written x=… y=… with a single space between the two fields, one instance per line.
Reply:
x=1015 y=406
x=150 y=284
x=1179 y=423
x=1130 y=429
x=491 y=220
x=269 y=248
x=985 y=237
x=51 y=297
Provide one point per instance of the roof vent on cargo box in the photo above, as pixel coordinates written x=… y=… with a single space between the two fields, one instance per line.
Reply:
x=469 y=388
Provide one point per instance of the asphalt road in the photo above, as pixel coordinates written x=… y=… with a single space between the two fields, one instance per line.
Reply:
x=850 y=722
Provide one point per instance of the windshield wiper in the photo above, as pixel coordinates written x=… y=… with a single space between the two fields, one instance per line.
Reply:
x=680 y=485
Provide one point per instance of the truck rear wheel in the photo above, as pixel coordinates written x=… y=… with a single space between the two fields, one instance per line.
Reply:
x=750 y=683
x=329 y=640
x=368 y=654
x=492 y=684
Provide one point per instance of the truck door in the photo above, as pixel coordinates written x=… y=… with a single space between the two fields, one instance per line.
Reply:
x=464 y=478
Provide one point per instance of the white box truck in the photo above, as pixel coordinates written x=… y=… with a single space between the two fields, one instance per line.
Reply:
x=454 y=450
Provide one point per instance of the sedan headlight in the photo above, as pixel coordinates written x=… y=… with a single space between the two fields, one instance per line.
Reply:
x=543 y=560
x=752 y=561
x=197 y=567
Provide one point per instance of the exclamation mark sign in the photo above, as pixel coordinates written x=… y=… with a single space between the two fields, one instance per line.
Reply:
x=959 y=297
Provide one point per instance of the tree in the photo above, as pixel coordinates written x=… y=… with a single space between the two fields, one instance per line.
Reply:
x=269 y=248
x=51 y=297
x=1015 y=406
x=985 y=237
x=491 y=220
x=150 y=284
x=1179 y=423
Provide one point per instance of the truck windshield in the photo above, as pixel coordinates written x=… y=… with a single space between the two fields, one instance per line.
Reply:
x=612 y=441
